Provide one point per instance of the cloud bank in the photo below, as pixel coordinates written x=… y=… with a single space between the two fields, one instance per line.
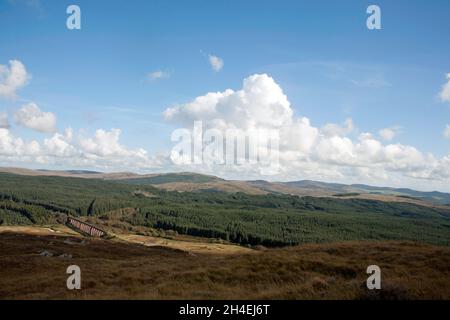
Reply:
x=102 y=150
x=332 y=152
x=307 y=151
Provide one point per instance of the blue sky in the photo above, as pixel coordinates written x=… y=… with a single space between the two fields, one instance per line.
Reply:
x=329 y=65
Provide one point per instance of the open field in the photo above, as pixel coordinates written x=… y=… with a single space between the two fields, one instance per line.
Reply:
x=187 y=245
x=124 y=270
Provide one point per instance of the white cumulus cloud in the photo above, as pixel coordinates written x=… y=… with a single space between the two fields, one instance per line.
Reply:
x=11 y=146
x=102 y=150
x=332 y=129
x=307 y=151
x=32 y=117
x=333 y=152
x=261 y=102
x=106 y=143
x=12 y=78
x=59 y=145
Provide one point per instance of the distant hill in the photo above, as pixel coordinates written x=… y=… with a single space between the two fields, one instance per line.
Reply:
x=188 y=181
x=171 y=178
x=433 y=196
x=270 y=219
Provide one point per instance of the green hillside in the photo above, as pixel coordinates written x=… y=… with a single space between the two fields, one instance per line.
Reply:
x=271 y=220
x=170 y=178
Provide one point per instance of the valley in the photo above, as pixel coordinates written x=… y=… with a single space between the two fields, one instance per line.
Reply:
x=212 y=244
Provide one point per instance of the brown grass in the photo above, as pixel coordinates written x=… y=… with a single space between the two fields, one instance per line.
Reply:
x=187 y=245
x=59 y=230
x=120 y=270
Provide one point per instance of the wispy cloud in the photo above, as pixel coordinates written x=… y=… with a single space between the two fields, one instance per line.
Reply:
x=215 y=62
x=373 y=82
x=360 y=75
x=35 y=5
x=447 y=131
x=444 y=95
x=387 y=134
x=159 y=74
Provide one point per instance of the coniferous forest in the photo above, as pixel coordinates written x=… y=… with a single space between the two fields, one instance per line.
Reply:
x=269 y=220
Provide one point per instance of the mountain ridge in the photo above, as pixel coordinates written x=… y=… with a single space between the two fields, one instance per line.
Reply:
x=190 y=181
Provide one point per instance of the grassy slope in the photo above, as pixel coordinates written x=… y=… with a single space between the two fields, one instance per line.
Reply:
x=122 y=271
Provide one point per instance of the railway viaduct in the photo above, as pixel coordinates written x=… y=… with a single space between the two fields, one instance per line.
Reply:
x=85 y=227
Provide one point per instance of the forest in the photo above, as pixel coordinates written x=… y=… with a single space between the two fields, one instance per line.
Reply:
x=270 y=220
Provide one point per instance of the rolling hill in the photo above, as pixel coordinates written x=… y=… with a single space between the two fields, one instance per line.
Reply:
x=191 y=182
x=270 y=219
